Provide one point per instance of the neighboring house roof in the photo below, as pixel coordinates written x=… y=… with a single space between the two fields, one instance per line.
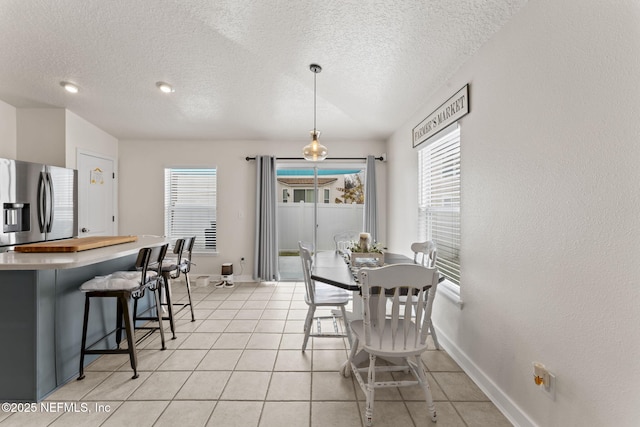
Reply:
x=305 y=182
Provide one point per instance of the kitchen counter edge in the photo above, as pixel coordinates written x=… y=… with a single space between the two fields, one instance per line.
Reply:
x=63 y=260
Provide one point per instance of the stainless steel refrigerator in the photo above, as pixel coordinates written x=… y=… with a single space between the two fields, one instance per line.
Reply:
x=38 y=202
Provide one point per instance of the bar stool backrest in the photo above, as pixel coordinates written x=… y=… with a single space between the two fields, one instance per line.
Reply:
x=142 y=263
x=156 y=256
x=178 y=248
x=185 y=258
x=172 y=266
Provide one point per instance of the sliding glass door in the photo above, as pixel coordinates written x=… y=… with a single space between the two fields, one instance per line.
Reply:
x=316 y=202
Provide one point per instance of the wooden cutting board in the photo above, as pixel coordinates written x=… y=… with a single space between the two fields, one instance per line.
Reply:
x=76 y=245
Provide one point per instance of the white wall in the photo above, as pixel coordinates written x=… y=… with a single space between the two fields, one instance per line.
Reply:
x=41 y=135
x=8 y=144
x=550 y=213
x=84 y=136
x=141 y=201
x=51 y=136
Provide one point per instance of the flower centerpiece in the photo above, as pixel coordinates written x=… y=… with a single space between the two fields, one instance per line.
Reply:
x=365 y=252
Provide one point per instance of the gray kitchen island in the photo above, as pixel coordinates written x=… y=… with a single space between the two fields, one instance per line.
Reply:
x=41 y=315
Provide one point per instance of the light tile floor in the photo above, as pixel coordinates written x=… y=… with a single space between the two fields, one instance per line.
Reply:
x=240 y=364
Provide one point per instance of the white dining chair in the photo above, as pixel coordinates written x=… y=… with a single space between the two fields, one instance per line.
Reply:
x=426 y=251
x=344 y=239
x=392 y=330
x=321 y=295
x=428 y=254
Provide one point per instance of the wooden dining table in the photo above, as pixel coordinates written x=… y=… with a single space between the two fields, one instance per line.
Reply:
x=331 y=267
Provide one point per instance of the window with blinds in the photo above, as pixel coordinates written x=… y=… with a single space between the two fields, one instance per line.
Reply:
x=439 y=201
x=190 y=206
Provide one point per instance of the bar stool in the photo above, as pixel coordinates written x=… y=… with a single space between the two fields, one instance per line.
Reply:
x=184 y=264
x=125 y=285
x=170 y=269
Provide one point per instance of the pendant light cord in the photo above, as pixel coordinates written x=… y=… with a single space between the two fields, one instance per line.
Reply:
x=315 y=68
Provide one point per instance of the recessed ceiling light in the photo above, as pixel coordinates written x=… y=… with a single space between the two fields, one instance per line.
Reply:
x=69 y=87
x=165 y=87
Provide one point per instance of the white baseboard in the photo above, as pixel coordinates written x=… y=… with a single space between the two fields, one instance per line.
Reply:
x=495 y=394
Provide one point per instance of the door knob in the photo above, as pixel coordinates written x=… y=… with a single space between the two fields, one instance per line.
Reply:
x=84 y=230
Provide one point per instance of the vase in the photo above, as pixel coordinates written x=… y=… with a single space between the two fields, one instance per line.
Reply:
x=365 y=241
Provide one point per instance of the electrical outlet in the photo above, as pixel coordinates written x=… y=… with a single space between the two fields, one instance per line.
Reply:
x=550 y=391
x=545 y=380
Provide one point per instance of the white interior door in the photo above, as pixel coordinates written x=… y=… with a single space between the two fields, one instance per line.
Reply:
x=96 y=212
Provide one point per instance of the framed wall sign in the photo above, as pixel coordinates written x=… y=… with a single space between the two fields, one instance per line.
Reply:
x=450 y=111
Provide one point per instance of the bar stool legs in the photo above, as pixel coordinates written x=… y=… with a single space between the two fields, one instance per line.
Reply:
x=131 y=346
x=169 y=296
x=185 y=267
x=166 y=277
x=186 y=276
x=84 y=336
x=156 y=292
x=181 y=305
x=157 y=318
x=122 y=299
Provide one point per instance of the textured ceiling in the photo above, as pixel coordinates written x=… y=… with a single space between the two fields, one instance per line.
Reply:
x=240 y=68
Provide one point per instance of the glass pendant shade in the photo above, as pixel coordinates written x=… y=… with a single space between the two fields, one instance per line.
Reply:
x=314 y=151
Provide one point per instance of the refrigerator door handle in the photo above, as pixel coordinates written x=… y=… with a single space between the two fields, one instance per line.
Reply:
x=50 y=199
x=41 y=202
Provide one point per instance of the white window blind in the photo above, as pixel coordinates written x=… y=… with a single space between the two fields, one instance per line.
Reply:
x=190 y=206
x=439 y=201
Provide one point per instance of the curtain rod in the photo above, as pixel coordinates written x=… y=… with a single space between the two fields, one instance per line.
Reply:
x=328 y=158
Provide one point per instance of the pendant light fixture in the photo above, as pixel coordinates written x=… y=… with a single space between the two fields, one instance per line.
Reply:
x=314 y=151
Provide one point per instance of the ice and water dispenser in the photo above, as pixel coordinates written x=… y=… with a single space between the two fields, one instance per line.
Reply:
x=15 y=217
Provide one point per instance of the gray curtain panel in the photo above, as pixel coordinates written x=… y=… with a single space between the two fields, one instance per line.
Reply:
x=371 y=200
x=266 y=247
